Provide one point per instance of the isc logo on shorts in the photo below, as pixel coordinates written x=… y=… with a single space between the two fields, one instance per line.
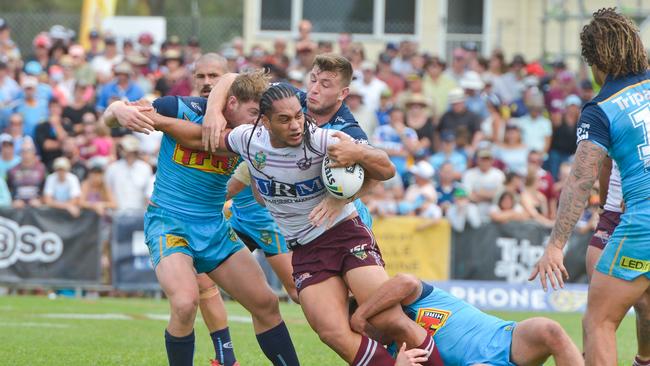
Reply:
x=205 y=161
x=432 y=319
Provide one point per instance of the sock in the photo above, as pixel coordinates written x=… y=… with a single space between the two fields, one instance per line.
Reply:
x=180 y=350
x=640 y=362
x=224 y=352
x=434 y=356
x=277 y=346
x=371 y=353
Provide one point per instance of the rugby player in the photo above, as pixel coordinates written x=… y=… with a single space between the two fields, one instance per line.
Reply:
x=186 y=234
x=611 y=203
x=333 y=251
x=615 y=123
x=465 y=335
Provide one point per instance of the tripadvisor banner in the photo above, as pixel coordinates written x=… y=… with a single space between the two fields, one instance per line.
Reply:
x=508 y=252
x=409 y=245
x=48 y=246
x=130 y=265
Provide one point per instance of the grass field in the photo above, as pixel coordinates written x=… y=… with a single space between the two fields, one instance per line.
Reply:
x=40 y=331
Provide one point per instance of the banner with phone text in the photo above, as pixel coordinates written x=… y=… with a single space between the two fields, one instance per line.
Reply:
x=131 y=266
x=49 y=246
x=413 y=245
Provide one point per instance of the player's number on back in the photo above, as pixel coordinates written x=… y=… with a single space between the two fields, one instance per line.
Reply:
x=641 y=118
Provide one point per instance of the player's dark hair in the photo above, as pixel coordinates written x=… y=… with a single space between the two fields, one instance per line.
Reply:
x=612 y=42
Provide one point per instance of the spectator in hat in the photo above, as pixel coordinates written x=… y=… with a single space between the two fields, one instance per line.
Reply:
x=512 y=151
x=458 y=66
x=176 y=80
x=43 y=90
x=563 y=142
x=8 y=157
x=95 y=45
x=399 y=141
x=446 y=184
x=62 y=189
x=192 y=50
x=448 y=154
x=83 y=73
x=95 y=194
x=33 y=109
x=493 y=127
x=120 y=88
x=421 y=195
x=26 y=179
x=129 y=177
x=41 y=48
x=145 y=49
x=473 y=86
x=436 y=84
x=420 y=118
x=50 y=134
x=509 y=86
x=369 y=86
x=58 y=50
x=483 y=182
x=386 y=105
x=413 y=86
x=458 y=118
x=104 y=64
x=367 y=119
x=8 y=47
x=535 y=128
x=463 y=211
x=395 y=82
x=586 y=92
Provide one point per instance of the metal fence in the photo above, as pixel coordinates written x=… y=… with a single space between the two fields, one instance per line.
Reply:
x=212 y=31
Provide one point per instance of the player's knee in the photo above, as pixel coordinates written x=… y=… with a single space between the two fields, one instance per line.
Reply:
x=266 y=305
x=554 y=336
x=642 y=307
x=334 y=337
x=184 y=307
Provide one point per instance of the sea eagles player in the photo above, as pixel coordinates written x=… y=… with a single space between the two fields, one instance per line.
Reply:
x=333 y=251
x=185 y=234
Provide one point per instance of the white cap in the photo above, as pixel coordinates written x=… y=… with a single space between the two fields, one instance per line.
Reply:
x=61 y=163
x=423 y=170
x=130 y=143
x=456 y=95
x=472 y=81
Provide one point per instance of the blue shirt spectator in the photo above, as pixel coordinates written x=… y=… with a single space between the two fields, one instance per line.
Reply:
x=33 y=109
x=399 y=142
x=120 y=88
x=449 y=154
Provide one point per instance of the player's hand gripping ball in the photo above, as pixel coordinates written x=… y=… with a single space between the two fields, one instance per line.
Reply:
x=342 y=183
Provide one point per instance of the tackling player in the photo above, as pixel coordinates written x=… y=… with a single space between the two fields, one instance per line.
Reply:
x=465 y=335
x=285 y=156
x=611 y=200
x=615 y=123
x=186 y=234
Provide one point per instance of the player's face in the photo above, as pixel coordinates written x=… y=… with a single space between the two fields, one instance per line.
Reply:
x=287 y=123
x=325 y=91
x=243 y=113
x=205 y=77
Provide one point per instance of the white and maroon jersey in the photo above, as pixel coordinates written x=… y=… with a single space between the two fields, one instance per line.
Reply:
x=614 y=192
x=288 y=179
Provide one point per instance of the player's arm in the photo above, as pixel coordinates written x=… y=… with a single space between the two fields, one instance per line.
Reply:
x=214 y=122
x=402 y=289
x=347 y=152
x=121 y=114
x=239 y=180
x=603 y=180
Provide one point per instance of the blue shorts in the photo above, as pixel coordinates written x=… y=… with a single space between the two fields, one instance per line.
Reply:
x=494 y=351
x=627 y=254
x=208 y=242
x=264 y=235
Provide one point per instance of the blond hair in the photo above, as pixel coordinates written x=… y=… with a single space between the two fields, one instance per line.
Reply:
x=249 y=86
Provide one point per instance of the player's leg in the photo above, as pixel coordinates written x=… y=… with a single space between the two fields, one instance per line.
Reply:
x=605 y=312
x=325 y=305
x=642 y=309
x=536 y=339
x=215 y=318
x=241 y=276
x=176 y=276
x=281 y=264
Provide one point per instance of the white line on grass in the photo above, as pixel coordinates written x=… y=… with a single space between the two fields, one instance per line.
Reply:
x=117 y=316
x=35 y=325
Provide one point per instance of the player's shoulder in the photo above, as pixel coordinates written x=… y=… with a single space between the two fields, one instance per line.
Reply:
x=613 y=87
x=195 y=104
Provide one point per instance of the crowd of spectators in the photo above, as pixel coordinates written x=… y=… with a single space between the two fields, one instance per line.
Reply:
x=473 y=139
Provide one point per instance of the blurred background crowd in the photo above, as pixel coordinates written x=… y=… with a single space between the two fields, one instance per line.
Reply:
x=474 y=139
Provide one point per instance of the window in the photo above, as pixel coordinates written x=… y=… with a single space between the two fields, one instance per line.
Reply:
x=399 y=17
x=460 y=20
x=369 y=17
x=336 y=16
x=276 y=15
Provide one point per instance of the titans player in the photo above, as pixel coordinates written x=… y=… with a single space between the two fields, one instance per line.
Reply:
x=615 y=123
x=463 y=334
x=187 y=235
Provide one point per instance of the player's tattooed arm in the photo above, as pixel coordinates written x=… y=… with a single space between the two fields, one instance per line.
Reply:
x=603 y=180
x=589 y=158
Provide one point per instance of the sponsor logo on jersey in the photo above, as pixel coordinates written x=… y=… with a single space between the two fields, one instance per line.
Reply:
x=266 y=237
x=298 y=281
x=638 y=265
x=359 y=251
x=274 y=188
x=196 y=106
x=173 y=241
x=432 y=319
x=205 y=161
x=232 y=235
x=259 y=160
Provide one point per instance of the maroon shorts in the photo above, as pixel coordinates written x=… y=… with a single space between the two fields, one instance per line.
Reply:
x=607 y=222
x=346 y=246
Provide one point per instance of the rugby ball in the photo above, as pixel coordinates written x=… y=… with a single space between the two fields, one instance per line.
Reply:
x=342 y=182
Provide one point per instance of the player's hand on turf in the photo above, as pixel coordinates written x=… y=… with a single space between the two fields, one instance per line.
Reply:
x=551 y=265
x=327 y=211
x=343 y=153
x=211 y=129
x=412 y=357
x=132 y=116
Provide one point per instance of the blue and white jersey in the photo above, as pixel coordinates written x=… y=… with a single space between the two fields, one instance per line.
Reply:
x=618 y=120
x=189 y=182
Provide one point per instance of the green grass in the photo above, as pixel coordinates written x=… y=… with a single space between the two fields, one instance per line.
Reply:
x=29 y=336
